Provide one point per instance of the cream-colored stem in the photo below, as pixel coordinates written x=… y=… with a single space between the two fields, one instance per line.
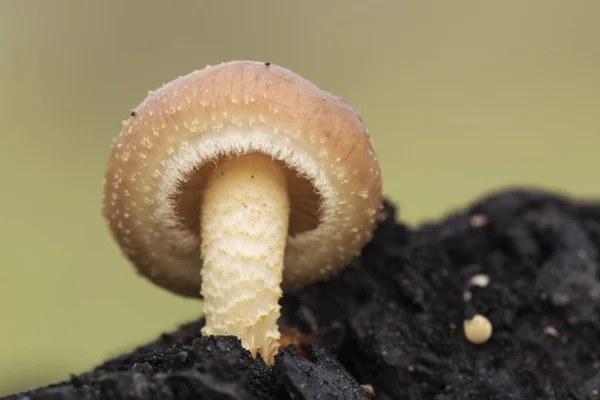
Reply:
x=244 y=227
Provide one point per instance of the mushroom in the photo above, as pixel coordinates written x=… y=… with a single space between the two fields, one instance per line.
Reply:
x=222 y=177
x=478 y=329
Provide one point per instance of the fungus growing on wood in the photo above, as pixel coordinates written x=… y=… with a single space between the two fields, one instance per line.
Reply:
x=236 y=182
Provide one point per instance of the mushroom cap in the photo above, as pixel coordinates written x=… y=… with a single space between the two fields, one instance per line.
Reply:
x=172 y=140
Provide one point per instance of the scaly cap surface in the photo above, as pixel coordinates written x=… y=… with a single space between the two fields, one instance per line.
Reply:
x=154 y=180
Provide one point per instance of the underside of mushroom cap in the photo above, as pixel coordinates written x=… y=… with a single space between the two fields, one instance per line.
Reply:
x=174 y=138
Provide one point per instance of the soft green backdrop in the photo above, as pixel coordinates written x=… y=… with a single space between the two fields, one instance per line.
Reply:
x=460 y=97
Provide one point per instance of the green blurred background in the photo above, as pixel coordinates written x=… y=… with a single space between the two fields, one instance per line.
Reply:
x=460 y=97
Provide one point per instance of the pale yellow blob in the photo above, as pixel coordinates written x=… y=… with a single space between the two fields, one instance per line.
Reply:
x=478 y=330
x=245 y=217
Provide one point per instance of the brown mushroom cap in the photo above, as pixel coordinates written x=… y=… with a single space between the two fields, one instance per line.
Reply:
x=159 y=162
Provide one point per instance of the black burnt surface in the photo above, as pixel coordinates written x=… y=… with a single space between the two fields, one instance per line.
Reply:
x=390 y=326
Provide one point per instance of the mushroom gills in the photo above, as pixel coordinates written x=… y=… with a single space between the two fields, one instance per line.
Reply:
x=244 y=227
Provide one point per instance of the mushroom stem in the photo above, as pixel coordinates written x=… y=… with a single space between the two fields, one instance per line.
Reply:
x=244 y=227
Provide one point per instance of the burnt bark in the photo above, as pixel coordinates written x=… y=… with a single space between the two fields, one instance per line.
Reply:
x=390 y=325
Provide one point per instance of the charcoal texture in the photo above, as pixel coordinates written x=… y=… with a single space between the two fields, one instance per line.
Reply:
x=390 y=325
